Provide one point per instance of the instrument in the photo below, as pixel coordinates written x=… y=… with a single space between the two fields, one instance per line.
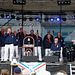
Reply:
x=28 y=49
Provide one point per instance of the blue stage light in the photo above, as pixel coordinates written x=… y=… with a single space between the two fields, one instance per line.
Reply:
x=73 y=17
x=51 y=19
x=7 y=16
x=58 y=19
x=37 y=19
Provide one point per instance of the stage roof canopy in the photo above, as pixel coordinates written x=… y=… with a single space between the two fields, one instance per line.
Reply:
x=36 y=5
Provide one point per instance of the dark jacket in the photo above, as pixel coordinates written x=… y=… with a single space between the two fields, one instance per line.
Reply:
x=56 y=47
x=9 y=38
x=60 y=41
x=38 y=41
x=20 y=39
x=32 y=35
x=16 y=41
x=47 y=43
x=2 y=40
x=51 y=37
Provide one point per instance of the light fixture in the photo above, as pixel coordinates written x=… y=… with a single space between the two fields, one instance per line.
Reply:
x=58 y=19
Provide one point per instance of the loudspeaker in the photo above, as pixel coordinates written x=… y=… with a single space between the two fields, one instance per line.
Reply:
x=29 y=59
x=51 y=58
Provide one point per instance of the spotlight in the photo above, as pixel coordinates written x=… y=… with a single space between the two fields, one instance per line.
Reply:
x=51 y=19
x=20 y=2
x=46 y=19
x=24 y=19
x=73 y=17
x=12 y=16
x=58 y=19
x=64 y=19
x=64 y=2
x=17 y=18
x=2 y=15
x=7 y=16
x=37 y=19
x=31 y=19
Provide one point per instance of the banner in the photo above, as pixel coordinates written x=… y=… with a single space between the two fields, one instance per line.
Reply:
x=33 y=67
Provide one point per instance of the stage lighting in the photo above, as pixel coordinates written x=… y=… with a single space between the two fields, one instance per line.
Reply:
x=12 y=17
x=73 y=17
x=7 y=16
x=64 y=19
x=58 y=19
x=31 y=19
x=2 y=15
x=20 y=2
x=51 y=19
x=24 y=19
x=46 y=19
x=64 y=2
x=17 y=18
x=37 y=19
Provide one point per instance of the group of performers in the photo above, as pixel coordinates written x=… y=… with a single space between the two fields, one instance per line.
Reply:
x=13 y=41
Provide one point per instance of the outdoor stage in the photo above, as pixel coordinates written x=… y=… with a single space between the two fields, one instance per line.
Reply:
x=52 y=67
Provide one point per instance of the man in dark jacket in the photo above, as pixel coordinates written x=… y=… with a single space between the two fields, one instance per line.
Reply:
x=38 y=46
x=9 y=44
x=2 y=44
x=20 y=41
x=60 y=39
x=20 y=37
x=16 y=44
x=48 y=32
x=47 y=44
x=56 y=46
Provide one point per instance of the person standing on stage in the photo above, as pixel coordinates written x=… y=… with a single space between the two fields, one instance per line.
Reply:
x=48 y=32
x=47 y=45
x=16 y=44
x=38 y=46
x=2 y=44
x=9 y=44
x=24 y=34
x=20 y=37
x=32 y=33
x=20 y=42
x=60 y=39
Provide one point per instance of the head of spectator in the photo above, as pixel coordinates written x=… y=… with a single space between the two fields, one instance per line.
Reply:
x=59 y=34
x=24 y=32
x=48 y=32
x=32 y=32
x=9 y=30
x=2 y=30
x=48 y=36
x=37 y=34
x=26 y=72
x=15 y=33
x=17 y=71
x=61 y=72
x=4 y=72
x=21 y=30
x=56 y=40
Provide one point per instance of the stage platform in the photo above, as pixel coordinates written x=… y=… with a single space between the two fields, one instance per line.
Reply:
x=52 y=67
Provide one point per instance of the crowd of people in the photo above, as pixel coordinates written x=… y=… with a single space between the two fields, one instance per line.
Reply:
x=13 y=41
x=18 y=71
